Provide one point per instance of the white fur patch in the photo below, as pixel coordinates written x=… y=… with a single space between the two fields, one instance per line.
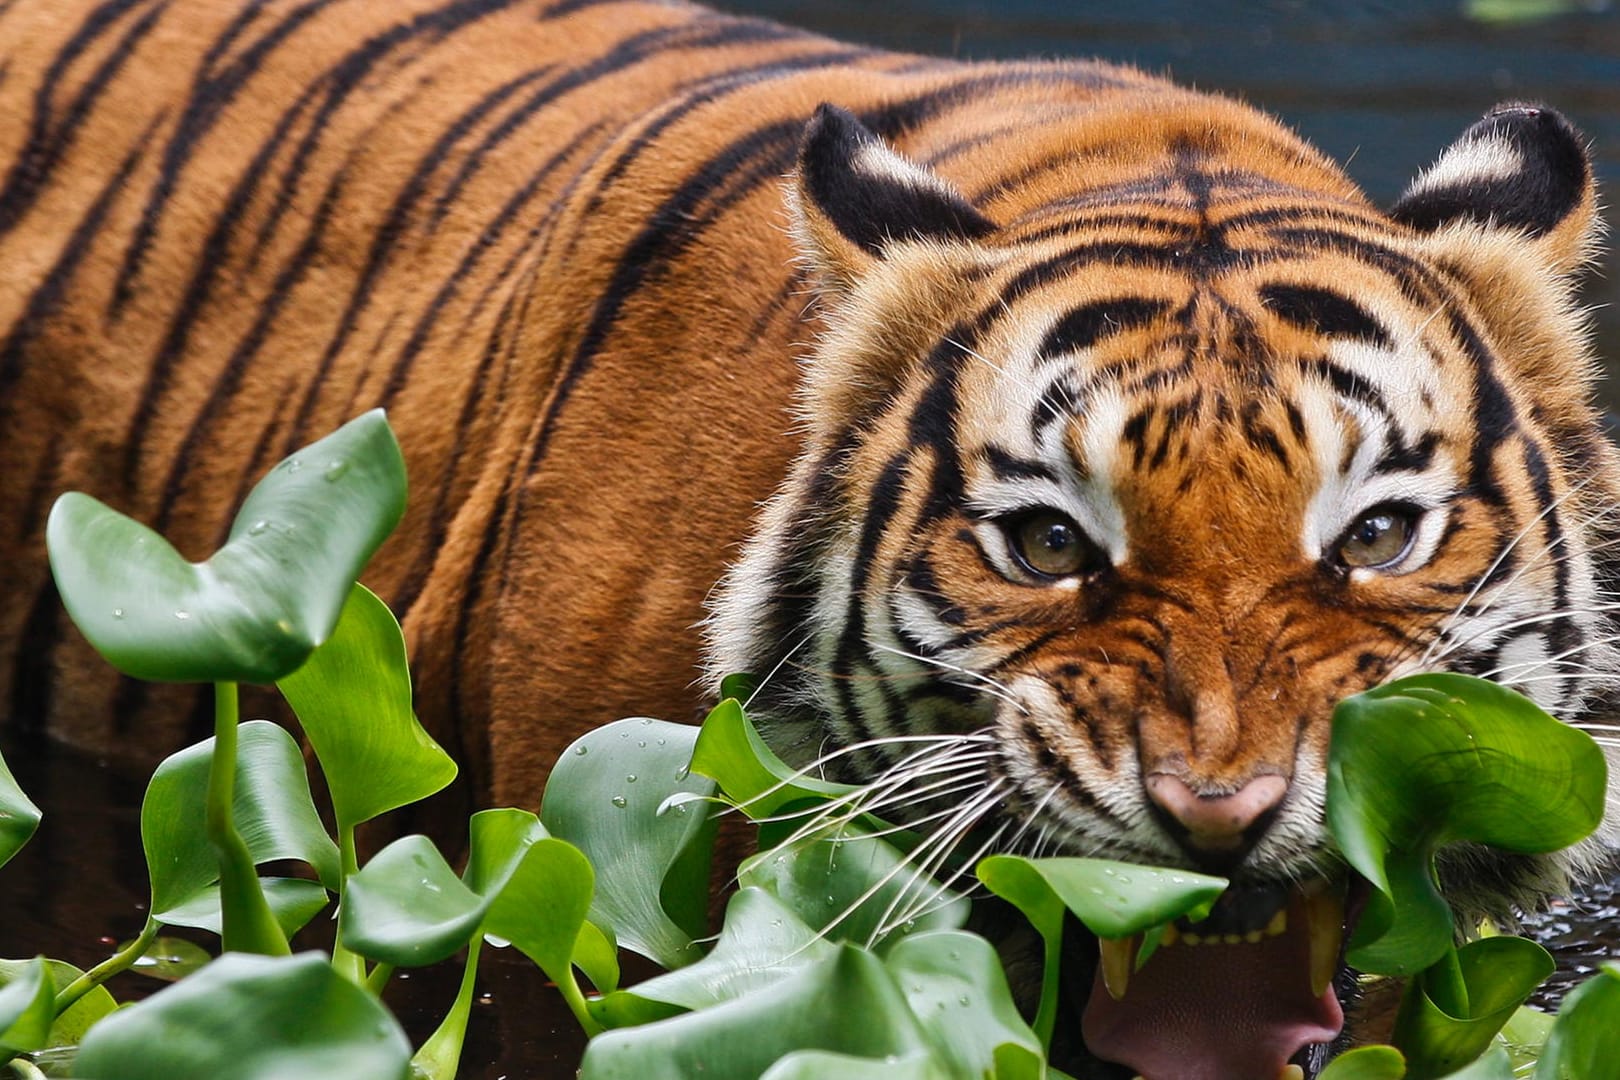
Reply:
x=1473 y=161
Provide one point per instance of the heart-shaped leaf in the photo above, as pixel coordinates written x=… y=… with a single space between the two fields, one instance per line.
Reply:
x=256 y=609
x=67 y=1029
x=1432 y=759
x=293 y=902
x=955 y=985
x=250 y=1018
x=273 y=809
x=609 y=795
x=353 y=700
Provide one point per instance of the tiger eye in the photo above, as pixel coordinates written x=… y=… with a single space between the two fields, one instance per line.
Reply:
x=1378 y=537
x=1048 y=543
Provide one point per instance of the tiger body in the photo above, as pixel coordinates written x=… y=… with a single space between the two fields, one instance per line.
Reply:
x=550 y=239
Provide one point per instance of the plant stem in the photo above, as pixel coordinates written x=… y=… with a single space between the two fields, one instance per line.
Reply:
x=249 y=924
x=569 y=987
x=378 y=979
x=1046 y=1014
x=25 y=1069
x=345 y=962
x=441 y=1054
x=113 y=965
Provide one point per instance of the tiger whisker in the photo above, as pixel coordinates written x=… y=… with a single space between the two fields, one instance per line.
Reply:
x=1530 y=620
x=995 y=688
x=942 y=842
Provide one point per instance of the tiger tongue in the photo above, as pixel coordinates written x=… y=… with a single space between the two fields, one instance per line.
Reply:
x=1214 y=1012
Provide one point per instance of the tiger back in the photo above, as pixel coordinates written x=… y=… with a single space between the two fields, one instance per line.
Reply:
x=1107 y=435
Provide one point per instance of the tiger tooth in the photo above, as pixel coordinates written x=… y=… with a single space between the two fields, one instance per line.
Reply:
x=1117 y=958
x=1291 y=1072
x=1278 y=923
x=1324 y=920
x=1171 y=935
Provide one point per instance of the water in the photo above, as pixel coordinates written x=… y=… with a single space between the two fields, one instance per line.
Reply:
x=1384 y=86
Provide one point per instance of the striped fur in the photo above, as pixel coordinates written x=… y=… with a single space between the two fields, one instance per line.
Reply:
x=550 y=237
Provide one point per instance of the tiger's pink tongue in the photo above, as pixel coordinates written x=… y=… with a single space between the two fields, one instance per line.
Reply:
x=1214 y=1012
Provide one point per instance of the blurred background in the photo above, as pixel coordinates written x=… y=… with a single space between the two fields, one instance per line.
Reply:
x=1380 y=85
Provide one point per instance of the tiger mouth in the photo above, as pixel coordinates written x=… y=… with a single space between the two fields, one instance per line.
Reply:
x=1252 y=992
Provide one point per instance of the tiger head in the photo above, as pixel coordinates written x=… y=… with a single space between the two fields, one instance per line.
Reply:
x=1116 y=479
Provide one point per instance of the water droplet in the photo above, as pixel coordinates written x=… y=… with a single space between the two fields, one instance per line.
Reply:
x=581 y=750
x=642 y=743
x=335 y=470
x=630 y=779
x=258 y=527
x=118 y=613
x=620 y=801
x=292 y=465
x=831 y=900
x=776 y=922
x=963 y=1000
x=661 y=742
x=182 y=614
x=911 y=924
x=683 y=772
x=1098 y=890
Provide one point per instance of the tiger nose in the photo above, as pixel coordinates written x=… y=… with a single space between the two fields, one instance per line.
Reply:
x=1217 y=825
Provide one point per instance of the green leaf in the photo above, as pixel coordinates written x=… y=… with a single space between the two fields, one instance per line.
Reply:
x=541 y=910
x=293 y=901
x=273 y=809
x=18 y=816
x=1495 y=1065
x=1112 y=899
x=1524 y=1036
x=27 y=1004
x=954 y=983
x=353 y=699
x=823 y=1065
x=762 y=943
x=607 y=797
x=407 y=906
x=853 y=885
x=250 y=1018
x=1366 y=1063
x=1585 y=1040
x=1450 y=1013
x=847 y=1003
x=1433 y=759
x=69 y=1028
x=170 y=959
x=256 y=609
x=730 y=751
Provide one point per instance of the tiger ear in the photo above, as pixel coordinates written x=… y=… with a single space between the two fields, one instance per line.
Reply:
x=852 y=197
x=1523 y=167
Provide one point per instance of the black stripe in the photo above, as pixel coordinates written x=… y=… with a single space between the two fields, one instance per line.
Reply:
x=49 y=137
x=210 y=95
x=1006 y=466
x=1323 y=311
x=1085 y=326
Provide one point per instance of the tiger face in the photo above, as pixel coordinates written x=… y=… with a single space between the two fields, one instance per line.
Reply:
x=1116 y=483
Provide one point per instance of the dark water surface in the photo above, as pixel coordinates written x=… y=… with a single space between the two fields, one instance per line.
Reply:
x=1384 y=86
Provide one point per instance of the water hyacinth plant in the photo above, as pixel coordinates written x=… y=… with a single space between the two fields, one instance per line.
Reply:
x=843 y=951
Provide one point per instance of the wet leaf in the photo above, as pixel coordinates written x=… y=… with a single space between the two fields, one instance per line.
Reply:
x=1585 y=1039
x=19 y=817
x=407 y=906
x=250 y=1018
x=353 y=700
x=853 y=885
x=954 y=983
x=273 y=809
x=256 y=609
x=170 y=959
x=607 y=796
x=541 y=910
x=1433 y=759
x=1451 y=1012
x=762 y=943
x=848 y=1003
x=823 y=1065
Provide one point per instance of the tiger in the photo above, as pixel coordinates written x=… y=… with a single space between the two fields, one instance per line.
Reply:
x=1046 y=438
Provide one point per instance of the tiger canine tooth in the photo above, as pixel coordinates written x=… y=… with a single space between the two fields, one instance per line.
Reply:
x=1324 y=921
x=1117 y=957
x=1291 y=1072
x=1278 y=923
